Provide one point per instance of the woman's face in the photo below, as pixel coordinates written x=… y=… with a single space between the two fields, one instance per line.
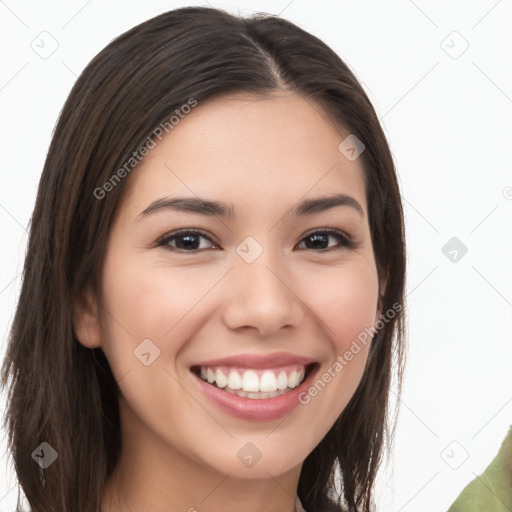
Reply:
x=261 y=298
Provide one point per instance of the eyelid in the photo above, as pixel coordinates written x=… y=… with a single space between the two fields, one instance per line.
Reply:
x=347 y=240
x=329 y=231
x=196 y=231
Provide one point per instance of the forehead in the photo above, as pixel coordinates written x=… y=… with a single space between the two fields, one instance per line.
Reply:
x=250 y=151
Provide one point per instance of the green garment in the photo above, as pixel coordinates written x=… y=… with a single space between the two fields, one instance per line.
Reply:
x=491 y=491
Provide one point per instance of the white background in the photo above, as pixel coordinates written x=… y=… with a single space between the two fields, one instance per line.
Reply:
x=449 y=124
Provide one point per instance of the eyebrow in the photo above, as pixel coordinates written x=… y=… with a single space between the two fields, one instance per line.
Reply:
x=220 y=209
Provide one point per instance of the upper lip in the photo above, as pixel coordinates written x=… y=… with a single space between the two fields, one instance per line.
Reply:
x=258 y=361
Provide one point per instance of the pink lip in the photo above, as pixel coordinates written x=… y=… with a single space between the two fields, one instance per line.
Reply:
x=256 y=409
x=258 y=361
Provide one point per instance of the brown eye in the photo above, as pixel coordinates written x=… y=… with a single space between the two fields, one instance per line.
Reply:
x=320 y=240
x=186 y=241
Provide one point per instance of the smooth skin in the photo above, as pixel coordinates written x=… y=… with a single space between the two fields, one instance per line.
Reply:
x=261 y=156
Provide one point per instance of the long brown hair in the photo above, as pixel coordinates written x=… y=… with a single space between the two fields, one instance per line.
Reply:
x=64 y=394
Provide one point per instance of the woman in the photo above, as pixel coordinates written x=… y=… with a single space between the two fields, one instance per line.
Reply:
x=188 y=336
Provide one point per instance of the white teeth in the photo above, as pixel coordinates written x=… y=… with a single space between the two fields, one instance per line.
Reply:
x=220 y=379
x=293 y=379
x=247 y=383
x=234 y=380
x=260 y=396
x=250 y=381
x=282 y=380
x=268 y=381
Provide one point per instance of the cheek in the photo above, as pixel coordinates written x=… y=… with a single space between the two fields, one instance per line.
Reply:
x=145 y=299
x=151 y=301
x=345 y=300
x=149 y=313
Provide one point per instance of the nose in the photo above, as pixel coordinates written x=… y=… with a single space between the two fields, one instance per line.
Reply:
x=262 y=297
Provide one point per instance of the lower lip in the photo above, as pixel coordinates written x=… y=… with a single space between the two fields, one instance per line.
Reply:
x=264 y=409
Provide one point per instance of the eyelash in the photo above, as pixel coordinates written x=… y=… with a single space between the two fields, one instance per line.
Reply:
x=345 y=241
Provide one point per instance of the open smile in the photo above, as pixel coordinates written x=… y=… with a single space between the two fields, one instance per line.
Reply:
x=255 y=387
x=253 y=383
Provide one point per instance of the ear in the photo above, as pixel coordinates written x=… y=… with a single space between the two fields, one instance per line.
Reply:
x=86 y=324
